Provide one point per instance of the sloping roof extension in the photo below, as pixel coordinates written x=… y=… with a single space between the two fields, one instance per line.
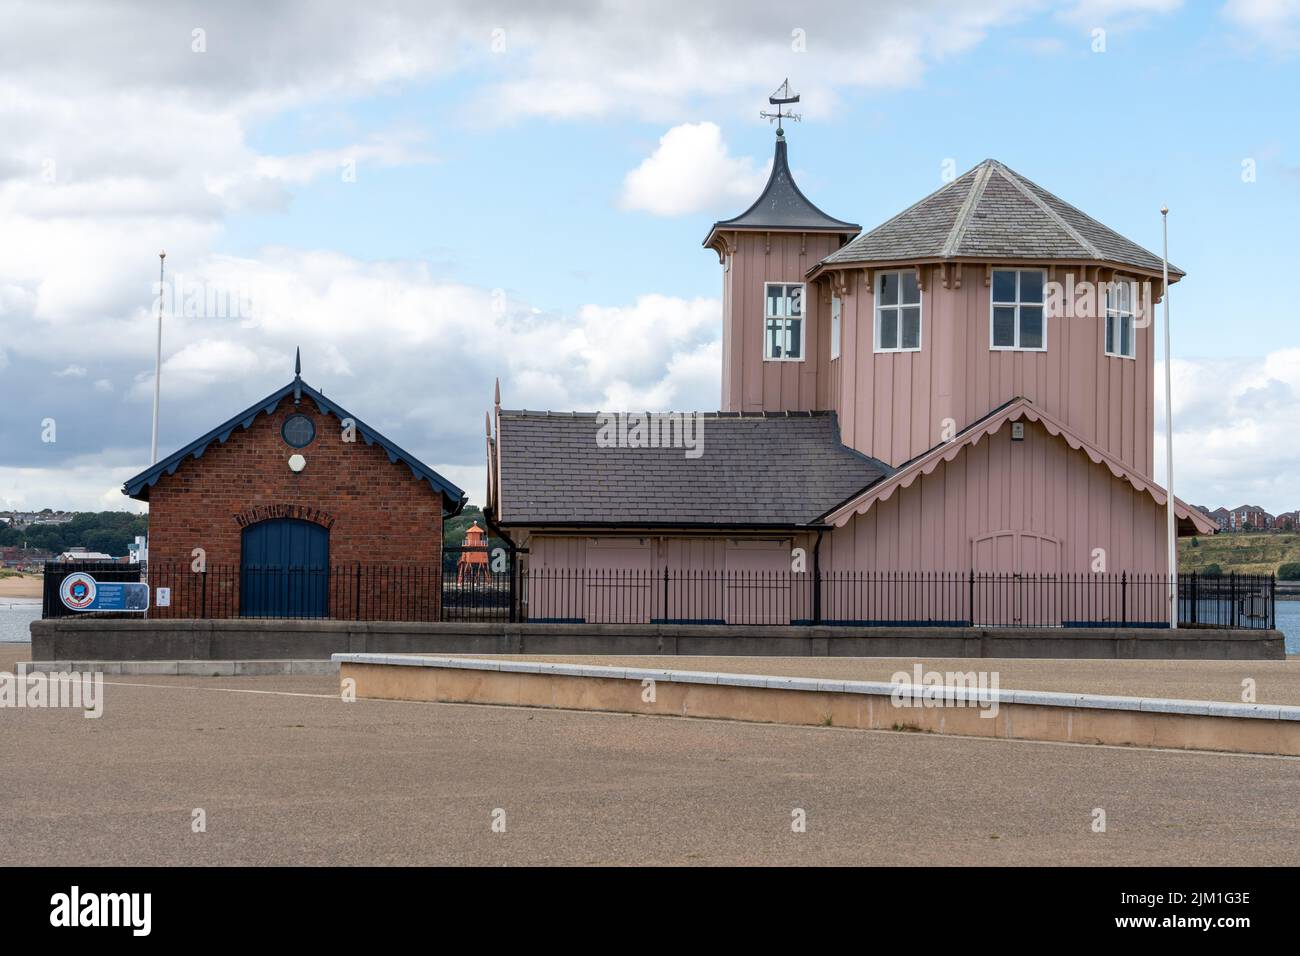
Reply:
x=1193 y=521
x=756 y=470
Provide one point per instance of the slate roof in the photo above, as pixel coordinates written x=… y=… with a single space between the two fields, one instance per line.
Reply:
x=992 y=211
x=138 y=487
x=783 y=206
x=772 y=469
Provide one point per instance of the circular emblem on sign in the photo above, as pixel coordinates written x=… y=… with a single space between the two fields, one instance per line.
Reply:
x=78 y=591
x=298 y=431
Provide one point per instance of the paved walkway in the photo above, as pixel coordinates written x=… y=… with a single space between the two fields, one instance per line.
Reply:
x=287 y=773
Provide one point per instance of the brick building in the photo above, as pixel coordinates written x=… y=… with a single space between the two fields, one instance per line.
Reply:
x=300 y=509
x=1249 y=517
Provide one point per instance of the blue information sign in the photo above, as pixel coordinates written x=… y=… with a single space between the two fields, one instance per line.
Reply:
x=81 y=592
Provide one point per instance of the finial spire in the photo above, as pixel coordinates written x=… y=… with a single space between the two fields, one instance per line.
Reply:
x=297 y=362
x=497 y=396
x=780 y=98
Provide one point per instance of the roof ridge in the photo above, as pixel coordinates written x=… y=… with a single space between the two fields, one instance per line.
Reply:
x=968 y=208
x=716 y=413
x=1014 y=179
x=895 y=218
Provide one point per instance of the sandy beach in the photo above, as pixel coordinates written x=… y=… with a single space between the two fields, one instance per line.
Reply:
x=26 y=585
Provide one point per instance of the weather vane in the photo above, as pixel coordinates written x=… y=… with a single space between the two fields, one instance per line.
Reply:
x=781 y=98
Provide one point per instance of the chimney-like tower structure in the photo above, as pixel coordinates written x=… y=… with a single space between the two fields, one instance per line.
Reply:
x=773 y=325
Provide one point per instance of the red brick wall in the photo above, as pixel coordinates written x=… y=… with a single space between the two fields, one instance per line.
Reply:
x=381 y=513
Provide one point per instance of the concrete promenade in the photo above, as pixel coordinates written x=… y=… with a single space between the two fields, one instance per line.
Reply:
x=288 y=773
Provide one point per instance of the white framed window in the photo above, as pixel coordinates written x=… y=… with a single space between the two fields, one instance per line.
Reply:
x=1016 y=316
x=898 y=312
x=835 y=325
x=1120 y=314
x=783 y=324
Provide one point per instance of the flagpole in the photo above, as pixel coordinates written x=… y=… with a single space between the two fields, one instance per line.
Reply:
x=157 y=365
x=1169 y=441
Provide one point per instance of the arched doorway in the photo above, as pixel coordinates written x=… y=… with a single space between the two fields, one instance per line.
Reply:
x=284 y=569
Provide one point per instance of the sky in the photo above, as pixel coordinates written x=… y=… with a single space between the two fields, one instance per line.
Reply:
x=428 y=197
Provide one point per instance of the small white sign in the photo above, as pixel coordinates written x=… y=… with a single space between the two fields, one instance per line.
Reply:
x=163 y=597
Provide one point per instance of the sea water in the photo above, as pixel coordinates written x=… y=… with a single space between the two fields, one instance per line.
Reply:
x=16 y=614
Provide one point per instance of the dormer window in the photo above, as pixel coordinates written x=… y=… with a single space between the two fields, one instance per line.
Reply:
x=898 y=312
x=1120 y=319
x=1016 y=314
x=783 y=322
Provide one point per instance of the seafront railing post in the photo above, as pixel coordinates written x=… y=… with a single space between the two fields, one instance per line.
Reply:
x=1123 y=598
x=665 y=592
x=970 y=598
x=817 y=596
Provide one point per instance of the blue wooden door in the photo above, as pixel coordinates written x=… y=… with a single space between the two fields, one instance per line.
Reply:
x=284 y=569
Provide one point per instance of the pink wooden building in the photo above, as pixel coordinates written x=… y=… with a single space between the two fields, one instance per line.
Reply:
x=966 y=388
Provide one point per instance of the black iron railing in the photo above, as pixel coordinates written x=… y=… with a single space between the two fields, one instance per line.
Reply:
x=472 y=591
x=897 y=599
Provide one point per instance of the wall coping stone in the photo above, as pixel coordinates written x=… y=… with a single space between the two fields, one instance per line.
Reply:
x=1160 y=705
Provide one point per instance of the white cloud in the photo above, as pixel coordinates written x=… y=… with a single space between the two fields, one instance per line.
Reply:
x=1271 y=23
x=72 y=371
x=691 y=171
x=580 y=60
x=1233 y=431
x=87 y=483
x=1099 y=12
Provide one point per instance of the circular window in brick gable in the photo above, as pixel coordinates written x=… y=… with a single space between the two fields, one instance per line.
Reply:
x=298 y=431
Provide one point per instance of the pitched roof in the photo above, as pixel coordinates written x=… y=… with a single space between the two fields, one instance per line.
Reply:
x=138 y=487
x=1015 y=410
x=782 y=205
x=992 y=212
x=771 y=469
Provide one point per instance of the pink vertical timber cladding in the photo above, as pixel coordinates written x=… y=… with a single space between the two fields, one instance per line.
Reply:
x=894 y=405
x=1013 y=495
x=750 y=383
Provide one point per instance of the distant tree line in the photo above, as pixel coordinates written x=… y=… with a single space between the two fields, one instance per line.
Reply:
x=106 y=531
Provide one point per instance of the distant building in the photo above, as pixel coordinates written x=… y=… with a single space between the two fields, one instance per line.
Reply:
x=1251 y=517
x=23 y=519
x=15 y=556
x=1219 y=516
x=81 y=554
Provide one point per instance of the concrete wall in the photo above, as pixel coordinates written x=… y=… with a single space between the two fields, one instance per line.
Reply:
x=101 y=639
x=1023 y=715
